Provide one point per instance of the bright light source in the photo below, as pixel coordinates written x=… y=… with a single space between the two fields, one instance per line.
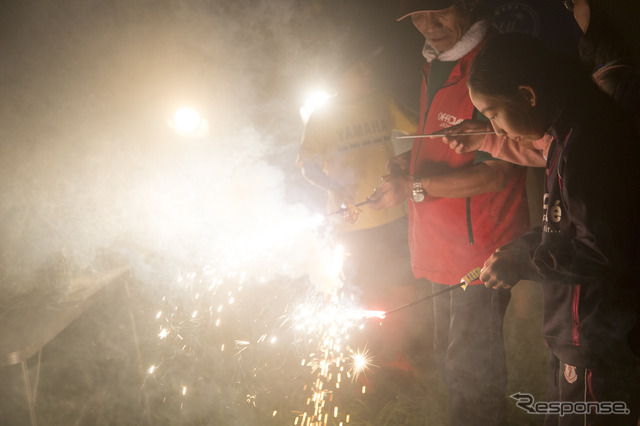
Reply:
x=314 y=100
x=360 y=363
x=188 y=122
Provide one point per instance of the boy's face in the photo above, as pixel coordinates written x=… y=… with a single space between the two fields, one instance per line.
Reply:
x=442 y=28
x=517 y=119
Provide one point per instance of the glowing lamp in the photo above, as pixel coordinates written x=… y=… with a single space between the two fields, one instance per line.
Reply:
x=188 y=122
x=315 y=100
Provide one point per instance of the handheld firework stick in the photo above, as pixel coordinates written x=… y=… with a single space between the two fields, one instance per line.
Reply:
x=350 y=212
x=440 y=135
x=464 y=282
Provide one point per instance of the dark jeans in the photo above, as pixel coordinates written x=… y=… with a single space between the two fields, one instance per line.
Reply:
x=469 y=352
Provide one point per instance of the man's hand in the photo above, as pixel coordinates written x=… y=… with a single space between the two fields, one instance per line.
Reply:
x=463 y=144
x=393 y=190
x=502 y=269
x=399 y=165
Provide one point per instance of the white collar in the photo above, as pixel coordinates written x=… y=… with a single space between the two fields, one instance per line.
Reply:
x=469 y=40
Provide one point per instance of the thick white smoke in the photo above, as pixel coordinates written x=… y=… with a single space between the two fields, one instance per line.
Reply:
x=89 y=167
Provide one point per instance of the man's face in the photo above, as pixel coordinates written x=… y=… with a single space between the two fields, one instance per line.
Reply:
x=442 y=28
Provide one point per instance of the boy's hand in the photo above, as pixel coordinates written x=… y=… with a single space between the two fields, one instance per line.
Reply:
x=463 y=144
x=501 y=270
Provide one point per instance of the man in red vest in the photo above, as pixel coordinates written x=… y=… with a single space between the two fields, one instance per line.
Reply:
x=462 y=207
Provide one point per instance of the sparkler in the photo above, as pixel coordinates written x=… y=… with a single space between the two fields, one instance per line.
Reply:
x=350 y=212
x=331 y=325
x=360 y=363
x=314 y=327
x=345 y=207
x=440 y=135
x=464 y=282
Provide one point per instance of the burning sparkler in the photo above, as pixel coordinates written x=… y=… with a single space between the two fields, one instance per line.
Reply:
x=311 y=332
x=360 y=363
x=350 y=212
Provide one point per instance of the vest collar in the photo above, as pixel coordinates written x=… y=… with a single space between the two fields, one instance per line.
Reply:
x=474 y=35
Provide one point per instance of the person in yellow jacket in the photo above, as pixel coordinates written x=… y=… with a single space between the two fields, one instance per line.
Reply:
x=345 y=148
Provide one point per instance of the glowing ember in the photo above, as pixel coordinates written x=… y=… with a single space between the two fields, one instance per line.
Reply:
x=360 y=363
x=374 y=314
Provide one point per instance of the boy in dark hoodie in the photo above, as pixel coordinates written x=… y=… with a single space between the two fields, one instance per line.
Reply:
x=587 y=249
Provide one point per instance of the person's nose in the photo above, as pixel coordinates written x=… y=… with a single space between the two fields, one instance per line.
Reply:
x=498 y=129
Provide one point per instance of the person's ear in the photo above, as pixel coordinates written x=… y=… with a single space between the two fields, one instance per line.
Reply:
x=528 y=94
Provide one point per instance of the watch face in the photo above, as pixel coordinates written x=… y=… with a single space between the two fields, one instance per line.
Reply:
x=417 y=197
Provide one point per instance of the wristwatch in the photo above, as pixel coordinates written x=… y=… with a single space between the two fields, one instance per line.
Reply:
x=418 y=191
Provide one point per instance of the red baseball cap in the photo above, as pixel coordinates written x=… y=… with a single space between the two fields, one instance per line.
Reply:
x=409 y=7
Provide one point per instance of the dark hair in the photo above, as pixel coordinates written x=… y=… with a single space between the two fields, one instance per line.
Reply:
x=603 y=41
x=510 y=60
